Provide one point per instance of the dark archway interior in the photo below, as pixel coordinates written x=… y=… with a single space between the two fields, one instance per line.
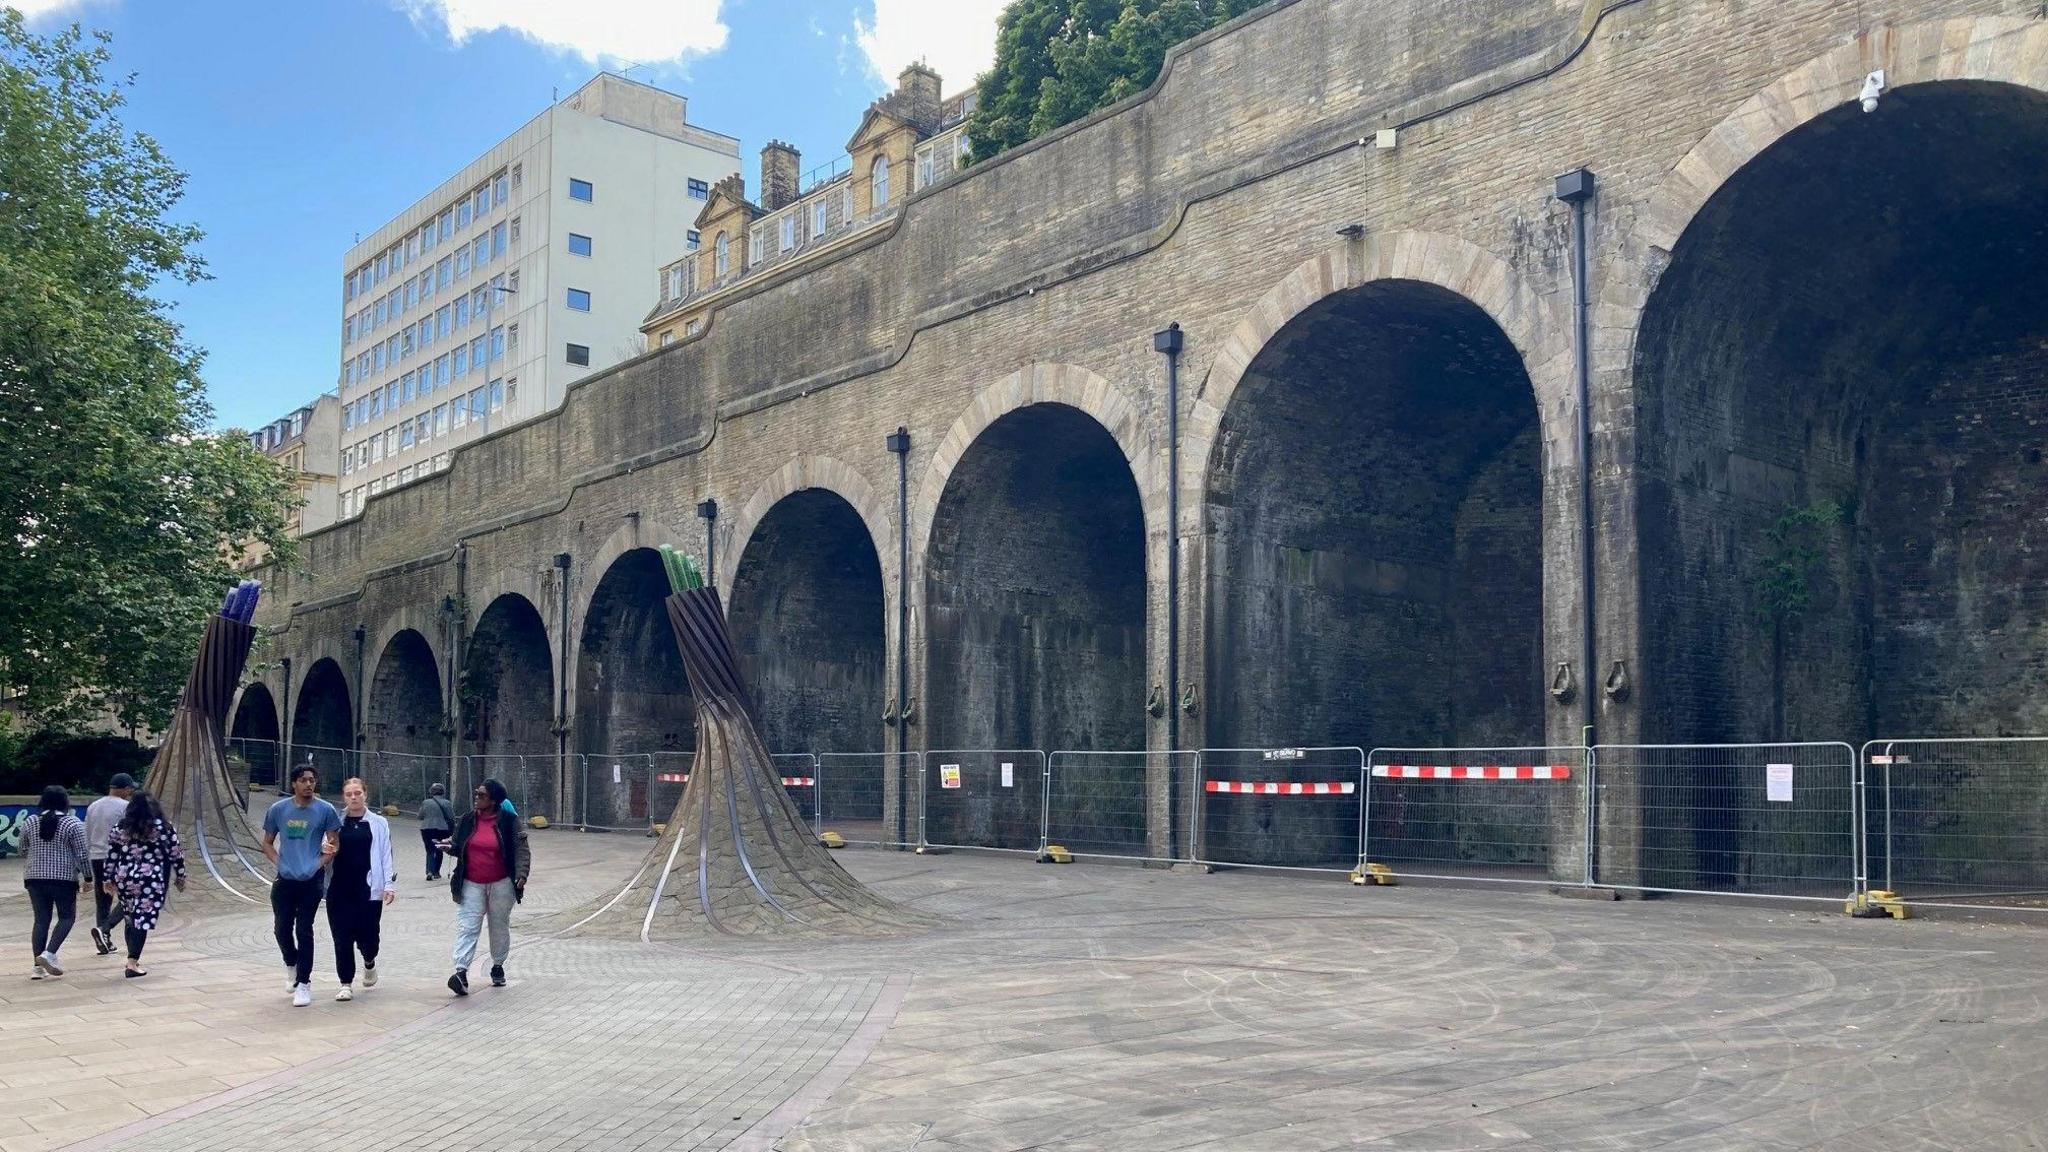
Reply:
x=1842 y=375
x=405 y=700
x=1375 y=503
x=1035 y=591
x=807 y=615
x=632 y=694
x=254 y=734
x=508 y=682
x=323 y=724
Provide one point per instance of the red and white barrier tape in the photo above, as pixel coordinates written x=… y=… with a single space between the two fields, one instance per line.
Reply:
x=1279 y=788
x=787 y=781
x=1473 y=771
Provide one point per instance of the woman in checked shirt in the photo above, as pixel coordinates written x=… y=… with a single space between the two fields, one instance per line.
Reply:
x=57 y=868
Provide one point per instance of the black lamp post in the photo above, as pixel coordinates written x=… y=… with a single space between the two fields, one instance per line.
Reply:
x=707 y=510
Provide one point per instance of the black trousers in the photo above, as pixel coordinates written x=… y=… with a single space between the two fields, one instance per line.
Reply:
x=136 y=939
x=48 y=897
x=104 y=912
x=431 y=837
x=292 y=905
x=355 y=923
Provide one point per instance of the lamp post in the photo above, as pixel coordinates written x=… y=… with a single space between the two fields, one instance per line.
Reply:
x=707 y=511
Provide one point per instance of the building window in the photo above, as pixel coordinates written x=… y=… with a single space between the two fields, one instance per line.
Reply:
x=789 y=231
x=498 y=245
x=497 y=395
x=579 y=245
x=846 y=204
x=462 y=214
x=440 y=419
x=675 y=282
x=499 y=191
x=699 y=190
x=756 y=250
x=497 y=344
x=512 y=340
x=693 y=327
x=458 y=414
x=579 y=354
x=476 y=351
x=462 y=261
x=580 y=190
x=668 y=337
x=925 y=173
x=579 y=300
x=482 y=251
x=461 y=362
x=445 y=271
x=461 y=311
x=405 y=436
x=720 y=256
x=690 y=241
x=818 y=219
x=878 y=182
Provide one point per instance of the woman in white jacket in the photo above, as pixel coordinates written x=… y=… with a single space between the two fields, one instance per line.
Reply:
x=363 y=881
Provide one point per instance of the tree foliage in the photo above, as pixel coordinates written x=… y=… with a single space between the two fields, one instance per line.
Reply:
x=1059 y=60
x=120 y=508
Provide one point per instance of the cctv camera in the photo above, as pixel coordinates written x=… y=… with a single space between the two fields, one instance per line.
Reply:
x=1873 y=87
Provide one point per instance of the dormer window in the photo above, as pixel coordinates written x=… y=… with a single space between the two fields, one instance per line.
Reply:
x=878 y=183
x=721 y=255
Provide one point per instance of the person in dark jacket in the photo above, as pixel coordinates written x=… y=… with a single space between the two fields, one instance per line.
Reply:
x=491 y=863
x=56 y=860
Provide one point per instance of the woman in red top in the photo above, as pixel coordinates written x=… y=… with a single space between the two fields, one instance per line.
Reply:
x=491 y=862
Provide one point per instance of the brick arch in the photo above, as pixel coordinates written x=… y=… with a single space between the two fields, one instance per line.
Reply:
x=835 y=476
x=1536 y=325
x=424 y=619
x=1113 y=407
x=639 y=533
x=2007 y=49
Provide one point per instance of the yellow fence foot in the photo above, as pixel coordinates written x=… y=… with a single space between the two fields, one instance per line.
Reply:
x=831 y=839
x=1870 y=905
x=1370 y=873
x=1054 y=854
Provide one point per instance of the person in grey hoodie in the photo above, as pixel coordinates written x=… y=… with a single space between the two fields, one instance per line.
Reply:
x=100 y=819
x=437 y=821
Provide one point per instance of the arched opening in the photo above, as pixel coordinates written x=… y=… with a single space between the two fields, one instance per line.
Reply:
x=807 y=615
x=323 y=724
x=1035 y=591
x=253 y=736
x=508 y=682
x=405 y=716
x=1375 y=502
x=632 y=695
x=1840 y=376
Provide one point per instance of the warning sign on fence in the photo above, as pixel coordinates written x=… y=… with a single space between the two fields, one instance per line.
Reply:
x=949 y=775
x=1009 y=775
x=1284 y=754
x=1778 y=783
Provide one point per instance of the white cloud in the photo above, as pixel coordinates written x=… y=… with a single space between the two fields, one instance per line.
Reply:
x=956 y=37
x=599 y=31
x=32 y=9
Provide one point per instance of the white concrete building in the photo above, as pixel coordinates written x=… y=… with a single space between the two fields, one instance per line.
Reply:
x=532 y=267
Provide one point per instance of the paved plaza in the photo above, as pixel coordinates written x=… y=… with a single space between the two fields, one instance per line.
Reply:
x=1075 y=1007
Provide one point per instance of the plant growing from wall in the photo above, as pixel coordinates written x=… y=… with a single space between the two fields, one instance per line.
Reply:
x=1796 y=546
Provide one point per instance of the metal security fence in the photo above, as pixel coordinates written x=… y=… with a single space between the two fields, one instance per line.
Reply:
x=1299 y=808
x=1130 y=805
x=668 y=775
x=799 y=772
x=1776 y=820
x=333 y=764
x=255 y=762
x=981 y=798
x=1958 y=822
x=870 y=798
x=530 y=780
x=400 y=778
x=1517 y=815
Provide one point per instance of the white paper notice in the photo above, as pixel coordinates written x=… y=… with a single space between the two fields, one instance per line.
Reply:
x=615 y=773
x=1778 y=783
x=1009 y=775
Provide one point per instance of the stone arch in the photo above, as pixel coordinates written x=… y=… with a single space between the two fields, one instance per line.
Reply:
x=255 y=732
x=423 y=619
x=507 y=696
x=826 y=472
x=404 y=713
x=1536 y=325
x=323 y=720
x=1119 y=413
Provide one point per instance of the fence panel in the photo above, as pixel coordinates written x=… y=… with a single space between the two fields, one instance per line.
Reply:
x=1300 y=808
x=1516 y=815
x=333 y=764
x=529 y=780
x=1959 y=823
x=401 y=778
x=799 y=772
x=984 y=798
x=1117 y=803
x=1735 y=819
x=854 y=795
x=615 y=793
x=255 y=762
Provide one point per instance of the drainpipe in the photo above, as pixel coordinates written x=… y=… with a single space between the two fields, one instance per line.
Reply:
x=899 y=443
x=1169 y=342
x=1576 y=189
x=362 y=690
x=284 y=719
x=708 y=512
x=562 y=674
x=458 y=627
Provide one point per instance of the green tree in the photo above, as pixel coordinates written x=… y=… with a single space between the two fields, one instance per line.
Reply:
x=121 y=509
x=1059 y=60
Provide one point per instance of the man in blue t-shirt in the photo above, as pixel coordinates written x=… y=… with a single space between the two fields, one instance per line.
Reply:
x=301 y=833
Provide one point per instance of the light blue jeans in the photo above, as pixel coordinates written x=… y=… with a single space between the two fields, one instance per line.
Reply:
x=479 y=900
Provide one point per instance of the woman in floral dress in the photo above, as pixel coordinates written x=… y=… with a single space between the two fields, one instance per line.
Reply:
x=144 y=859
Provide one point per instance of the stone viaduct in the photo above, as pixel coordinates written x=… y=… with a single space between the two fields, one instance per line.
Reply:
x=1814 y=347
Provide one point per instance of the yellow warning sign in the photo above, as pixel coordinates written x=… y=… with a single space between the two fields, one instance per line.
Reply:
x=949 y=775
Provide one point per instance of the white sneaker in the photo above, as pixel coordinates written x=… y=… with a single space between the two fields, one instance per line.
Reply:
x=344 y=996
x=370 y=977
x=36 y=973
x=302 y=995
x=49 y=962
x=291 y=980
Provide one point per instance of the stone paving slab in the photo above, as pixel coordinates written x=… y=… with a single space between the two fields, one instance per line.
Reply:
x=1070 y=1008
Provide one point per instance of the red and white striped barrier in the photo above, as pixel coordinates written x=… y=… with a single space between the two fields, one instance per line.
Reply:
x=1279 y=788
x=1473 y=771
x=787 y=781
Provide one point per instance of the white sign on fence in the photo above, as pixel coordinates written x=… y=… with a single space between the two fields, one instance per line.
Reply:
x=1009 y=775
x=615 y=773
x=1285 y=754
x=1778 y=783
x=949 y=775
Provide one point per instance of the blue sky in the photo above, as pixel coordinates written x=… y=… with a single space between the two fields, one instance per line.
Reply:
x=284 y=115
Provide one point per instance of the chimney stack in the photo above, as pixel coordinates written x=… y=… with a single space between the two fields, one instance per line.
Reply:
x=917 y=96
x=779 y=166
